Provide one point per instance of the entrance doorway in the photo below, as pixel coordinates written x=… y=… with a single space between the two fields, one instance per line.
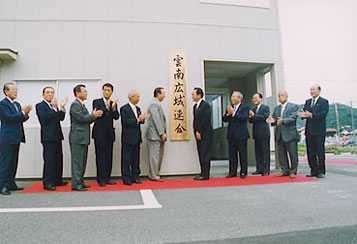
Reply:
x=221 y=79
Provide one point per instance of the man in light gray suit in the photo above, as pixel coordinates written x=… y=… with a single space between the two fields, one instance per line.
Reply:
x=156 y=134
x=286 y=135
x=79 y=136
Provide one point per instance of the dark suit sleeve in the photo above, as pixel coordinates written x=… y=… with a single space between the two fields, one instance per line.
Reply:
x=261 y=116
x=206 y=118
x=62 y=115
x=225 y=117
x=275 y=116
x=126 y=119
x=95 y=105
x=323 y=111
x=115 y=114
x=139 y=113
x=47 y=115
x=9 y=117
x=305 y=108
x=241 y=115
x=79 y=117
x=306 y=104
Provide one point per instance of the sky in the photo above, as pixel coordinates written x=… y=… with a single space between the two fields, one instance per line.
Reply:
x=319 y=45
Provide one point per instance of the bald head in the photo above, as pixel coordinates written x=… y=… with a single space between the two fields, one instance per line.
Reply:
x=133 y=96
x=283 y=96
x=315 y=90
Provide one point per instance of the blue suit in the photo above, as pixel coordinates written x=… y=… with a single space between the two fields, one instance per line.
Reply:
x=51 y=139
x=11 y=135
x=261 y=135
x=237 y=136
x=315 y=131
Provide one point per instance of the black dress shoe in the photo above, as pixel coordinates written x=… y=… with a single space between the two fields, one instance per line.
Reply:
x=79 y=188
x=111 y=182
x=64 y=183
x=311 y=175
x=86 y=186
x=128 y=183
x=16 y=188
x=137 y=181
x=243 y=176
x=265 y=174
x=230 y=176
x=102 y=184
x=257 y=173
x=201 y=178
x=49 y=188
x=5 y=191
x=320 y=176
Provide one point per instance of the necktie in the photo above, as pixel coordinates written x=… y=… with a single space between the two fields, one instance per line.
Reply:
x=313 y=102
x=256 y=111
x=17 y=109
x=282 y=110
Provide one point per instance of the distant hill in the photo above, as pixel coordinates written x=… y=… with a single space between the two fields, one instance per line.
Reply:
x=344 y=113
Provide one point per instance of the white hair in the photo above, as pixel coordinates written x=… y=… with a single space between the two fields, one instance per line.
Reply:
x=238 y=94
x=283 y=93
x=132 y=93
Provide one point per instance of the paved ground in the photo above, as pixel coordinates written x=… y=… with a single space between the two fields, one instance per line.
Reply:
x=323 y=211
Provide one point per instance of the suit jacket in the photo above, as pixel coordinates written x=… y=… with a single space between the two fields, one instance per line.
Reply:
x=286 y=131
x=261 y=129
x=156 y=124
x=80 y=123
x=103 y=126
x=12 y=130
x=202 y=119
x=50 y=121
x=237 y=124
x=131 y=132
x=317 y=124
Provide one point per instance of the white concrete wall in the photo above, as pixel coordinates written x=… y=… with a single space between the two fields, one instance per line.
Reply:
x=126 y=43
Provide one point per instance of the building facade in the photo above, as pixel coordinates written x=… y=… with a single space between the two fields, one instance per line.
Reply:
x=230 y=45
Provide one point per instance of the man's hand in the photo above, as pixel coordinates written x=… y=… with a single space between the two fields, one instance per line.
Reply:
x=114 y=105
x=270 y=120
x=27 y=109
x=280 y=121
x=143 y=117
x=305 y=114
x=97 y=113
x=164 y=137
x=64 y=102
x=230 y=110
x=251 y=114
x=198 y=135
x=54 y=103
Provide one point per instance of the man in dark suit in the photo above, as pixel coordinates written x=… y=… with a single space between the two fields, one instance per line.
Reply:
x=50 y=117
x=315 y=112
x=203 y=131
x=131 y=120
x=104 y=135
x=286 y=135
x=12 y=116
x=79 y=136
x=261 y=135
x=237 y=117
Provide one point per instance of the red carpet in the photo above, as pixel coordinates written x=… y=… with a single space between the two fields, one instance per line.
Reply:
x=177 y=184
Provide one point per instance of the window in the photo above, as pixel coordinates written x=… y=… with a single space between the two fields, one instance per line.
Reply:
x=30 y=92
